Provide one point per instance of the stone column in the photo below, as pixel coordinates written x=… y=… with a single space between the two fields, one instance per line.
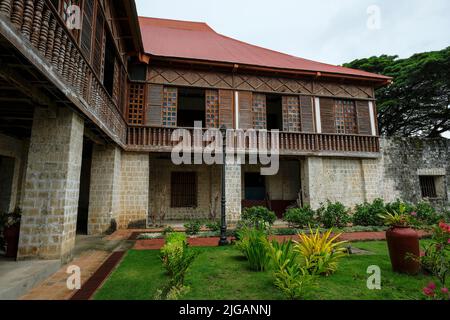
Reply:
x=52 y=182
x=312 y=184
x=134 y=191
x=233 y=192
x=104 y=195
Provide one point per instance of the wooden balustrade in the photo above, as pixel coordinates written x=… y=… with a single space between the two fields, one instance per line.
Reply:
x=41 y=25
x=159 y=139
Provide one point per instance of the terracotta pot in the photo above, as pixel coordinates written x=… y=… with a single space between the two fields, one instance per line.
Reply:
x=404 y=250
x=11 y=236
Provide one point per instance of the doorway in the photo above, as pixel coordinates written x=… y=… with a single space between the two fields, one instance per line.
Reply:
x=6 y=181
x=255 y=187
x=85 y=186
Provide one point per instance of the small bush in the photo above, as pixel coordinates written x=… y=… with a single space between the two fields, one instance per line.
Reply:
x=193 y=227
x=178 y=237
x=398 y=206
x=426 y=213
x=213 y=226
x=293 y=282
x=320 y=253
x=259 y=217
x=333 y=215
x=168 y=229
x=368 y=214
x=253 y=244
x=283 y=254
x=300 y=217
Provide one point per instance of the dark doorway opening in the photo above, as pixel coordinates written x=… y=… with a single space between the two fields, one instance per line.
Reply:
x=85 y=186
x=255 y=187
x=191 y=107
x=6 y=180
x=274 y=112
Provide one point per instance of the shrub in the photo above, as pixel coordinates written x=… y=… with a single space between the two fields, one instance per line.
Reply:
x=426 y=213
x=193 y=227
x=283 y=254
x=293 y=281
x=213 y=226
x=171 y=293
x=176 y=258
x=300 y=217
x=168 y=229
x=259 y=217
x=253 y=244
x=368 y=214
x=333 y=215
x=320 y=253
x=398 y=205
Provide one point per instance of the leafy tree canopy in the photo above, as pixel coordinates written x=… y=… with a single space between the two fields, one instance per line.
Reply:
x=417 y=103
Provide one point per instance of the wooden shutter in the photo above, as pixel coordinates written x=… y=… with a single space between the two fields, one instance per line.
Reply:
x=259 y=111
x=327 y=115
x=136 y=103
x=99 y=45
x=86 y=32
x=291 y=114
x=169 y=107
x=306 y=114
x=226 y=108
x=154 y=105
x=363 y=112
x=212 y=108
x=245 y=110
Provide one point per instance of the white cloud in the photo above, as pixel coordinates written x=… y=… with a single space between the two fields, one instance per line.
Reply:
x=327 y=30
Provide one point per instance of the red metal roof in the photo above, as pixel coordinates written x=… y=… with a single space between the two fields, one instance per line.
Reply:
x=198 y=41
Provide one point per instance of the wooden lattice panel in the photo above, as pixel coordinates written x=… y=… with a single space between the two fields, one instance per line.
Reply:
x=136 y=104
x=345 y=117
x=169 y=107
x=259 y=112
x=291 y=114
x=212 y=109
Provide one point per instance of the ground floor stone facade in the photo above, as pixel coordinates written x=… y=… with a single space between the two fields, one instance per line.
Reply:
x=41 y=175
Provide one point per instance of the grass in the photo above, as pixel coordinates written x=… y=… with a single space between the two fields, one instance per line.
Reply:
x=223 y=274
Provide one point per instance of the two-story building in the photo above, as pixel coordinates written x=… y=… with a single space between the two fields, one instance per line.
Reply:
x=90 y=95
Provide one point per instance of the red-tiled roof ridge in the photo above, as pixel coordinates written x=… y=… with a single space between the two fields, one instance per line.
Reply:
x=198 y=41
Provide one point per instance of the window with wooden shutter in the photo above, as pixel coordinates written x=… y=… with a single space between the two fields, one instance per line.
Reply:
x=98 y=58
x=306 y=114
x=212 y=109
x=154 y=105
x=259 y=111
x=183 y=190
x=226 y=108
x=136 y=103
x=345 y=117
x=363 y=111
x=169 y=107
x=291 y=114
x=327 y=115
x=87 y=28
x=245 y=110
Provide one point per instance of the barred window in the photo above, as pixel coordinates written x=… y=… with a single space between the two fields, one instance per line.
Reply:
x=428 y=187
x=183 y=190
x=345 y=116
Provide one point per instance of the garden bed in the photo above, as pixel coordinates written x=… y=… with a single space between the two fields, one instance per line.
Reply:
x=220 y=273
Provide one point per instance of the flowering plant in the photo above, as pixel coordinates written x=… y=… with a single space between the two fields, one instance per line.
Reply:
x=432 y=292
x=436 y=260
x=400 y=218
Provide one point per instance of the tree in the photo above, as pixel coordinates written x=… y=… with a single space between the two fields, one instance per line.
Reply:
x=417 y=103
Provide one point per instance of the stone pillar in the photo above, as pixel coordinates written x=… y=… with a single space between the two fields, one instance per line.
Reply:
x=233 y=192
x=312 y=182
x=52 y=181
x=104 y=195
x=134 y=191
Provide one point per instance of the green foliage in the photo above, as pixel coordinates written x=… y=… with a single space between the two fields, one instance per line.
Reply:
x=320 y=253
x=426 y=213
x=213 y=226
x=293 y=281
x=333 y=215
x=283 y=254
x=398 y=216
x=259 y=217
x=176 y=257
x=253 y=244
x=171 y=293
x=368 y=214
x=168 y=229
x=193 y=227
x=399 y=205
x=416 y=103
x=300 y=217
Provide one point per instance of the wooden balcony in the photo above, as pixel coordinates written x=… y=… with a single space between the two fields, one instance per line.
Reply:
x=153 y=139
x=36 y=30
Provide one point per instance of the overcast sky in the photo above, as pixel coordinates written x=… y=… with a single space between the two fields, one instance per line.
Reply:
x=332 y=31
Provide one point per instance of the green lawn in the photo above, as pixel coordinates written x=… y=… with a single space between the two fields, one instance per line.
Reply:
x=222 y=274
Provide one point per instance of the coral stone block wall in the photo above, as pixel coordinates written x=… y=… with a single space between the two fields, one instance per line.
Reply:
x=134 y=190
x=50 y=201
x=233 y=191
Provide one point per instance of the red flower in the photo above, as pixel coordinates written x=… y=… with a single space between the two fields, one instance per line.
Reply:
x=428 y=292
x=444 y=290
x=431 y=286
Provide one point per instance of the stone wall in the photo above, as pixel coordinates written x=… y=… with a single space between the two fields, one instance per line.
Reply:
x=134 y=190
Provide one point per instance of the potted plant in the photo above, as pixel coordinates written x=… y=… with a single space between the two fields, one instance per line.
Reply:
x=403 y=240
x=10 y=223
